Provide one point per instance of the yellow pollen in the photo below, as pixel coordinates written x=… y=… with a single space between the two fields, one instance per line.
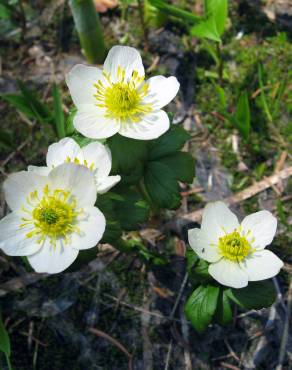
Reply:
x=234 y=246
x=123 y=100
x=54 y=215
x=77 y=161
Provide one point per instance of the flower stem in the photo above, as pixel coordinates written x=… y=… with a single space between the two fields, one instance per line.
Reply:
x=89 y=30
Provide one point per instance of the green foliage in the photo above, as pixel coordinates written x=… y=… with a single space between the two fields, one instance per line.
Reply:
x=59 y=117
x=6 y=141
x=197 y=268
x=223 y=313
x=210 y=26
x=256 y=295
x=201 y=306
x=213 y=24
x=218 y=10
x=127 y=154
x=172 y=141
x=5 y=11
x=241 y=118
x=161 y=185
x=5 y=343
x=123 y=210
x=166 y=166
x=130 y=209
x=175 y=11
x=89 y=30
x=158 y=165
x=29 y=104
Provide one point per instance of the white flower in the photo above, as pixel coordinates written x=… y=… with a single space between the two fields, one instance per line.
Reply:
x=117 y=99
x=236 y=252
x=95 y=156
x=53 y=217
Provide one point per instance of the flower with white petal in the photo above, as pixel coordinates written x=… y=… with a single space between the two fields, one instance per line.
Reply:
x=117 y=99
x=53 y=217
x=95 y=156
x=236 y=252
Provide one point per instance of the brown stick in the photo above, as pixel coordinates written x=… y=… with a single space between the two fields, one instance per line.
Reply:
x=116 y=343
x=246 y=193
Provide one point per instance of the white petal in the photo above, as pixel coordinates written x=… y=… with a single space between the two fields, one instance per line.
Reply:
x=262 y=265
x=13 y=240
x=150 y=127
x=218 y=220
x=228 y=273
x=100 y=156
x=91 y=229
x=106 y=183
x=18 y=186
x=262 y=226
x=78 y=180
x=162 y=90
x=91 y=122
x=200 y=243
x=126 y=57
x=43 y=171
x=63 y=149
x=80 y=81
x=52 y=259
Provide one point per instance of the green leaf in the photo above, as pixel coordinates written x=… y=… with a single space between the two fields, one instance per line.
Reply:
x=20 y=103
x=58 y=112
x=182 y=165
x=70 y=129
x=41 y=111
x=206 y=29
x=256 y=295
x=223 y=313
x=6 y=141
x=201 y=305
x=161 y=185
x=113 y=229
x=175 y=11
x=192 y=259
x=127 y=153
x=242 y=115
x=113 y=232
x=197 y=269
x=130 y=210
x=218 y=9
x=5 y=12
x=4 y=340
x=168 y=143
x=221 y=95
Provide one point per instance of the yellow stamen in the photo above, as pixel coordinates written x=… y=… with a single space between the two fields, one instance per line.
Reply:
x=53 y=216
x=234 y=246
x=123 y=100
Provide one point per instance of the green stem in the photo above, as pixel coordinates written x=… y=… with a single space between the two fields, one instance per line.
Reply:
x=175 y=11
x=144 y=193
x=89 y=30
x=220 y=64
x=142 y=20
x=8 y=362
x=263 y=95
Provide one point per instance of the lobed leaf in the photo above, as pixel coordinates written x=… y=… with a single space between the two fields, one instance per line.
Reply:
x=201 y=306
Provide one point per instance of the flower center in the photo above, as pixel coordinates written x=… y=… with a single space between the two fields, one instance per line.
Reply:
x=123 y=99
x=234 y=247
x=54 y=215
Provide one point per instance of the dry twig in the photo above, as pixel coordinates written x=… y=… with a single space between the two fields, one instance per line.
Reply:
x=115 y=342
x=246 y=193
